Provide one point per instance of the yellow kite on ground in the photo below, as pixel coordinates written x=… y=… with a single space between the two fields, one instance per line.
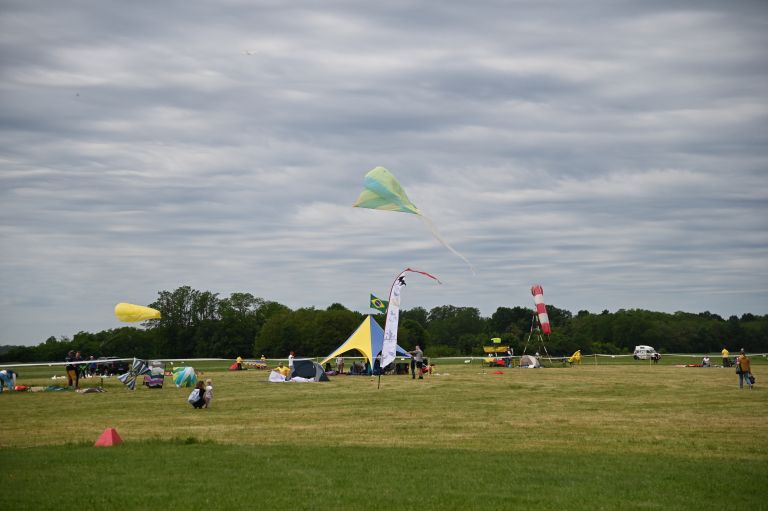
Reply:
x=575 y=358
x=130 y=313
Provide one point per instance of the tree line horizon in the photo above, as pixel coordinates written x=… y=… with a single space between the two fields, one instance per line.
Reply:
x=201 y=324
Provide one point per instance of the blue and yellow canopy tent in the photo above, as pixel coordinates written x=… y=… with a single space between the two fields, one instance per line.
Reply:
x=368 y=339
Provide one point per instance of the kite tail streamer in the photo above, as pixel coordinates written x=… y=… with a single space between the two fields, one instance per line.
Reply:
x=439 y=238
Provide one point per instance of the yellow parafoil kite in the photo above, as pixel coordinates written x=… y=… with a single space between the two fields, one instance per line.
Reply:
x=129 y=313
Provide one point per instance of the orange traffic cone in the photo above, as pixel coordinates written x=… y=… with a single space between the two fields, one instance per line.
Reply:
x=109 y=438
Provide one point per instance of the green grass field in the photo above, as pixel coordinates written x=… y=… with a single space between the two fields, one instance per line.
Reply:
x=606 y=436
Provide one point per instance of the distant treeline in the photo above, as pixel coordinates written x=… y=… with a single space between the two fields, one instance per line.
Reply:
x=6 y=348
x=201 y=324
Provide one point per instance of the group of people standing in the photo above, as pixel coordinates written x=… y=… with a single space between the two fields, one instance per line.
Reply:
x=77 y=368
x=417 y=365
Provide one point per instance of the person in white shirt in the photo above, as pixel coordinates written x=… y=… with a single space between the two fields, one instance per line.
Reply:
x=208 y=396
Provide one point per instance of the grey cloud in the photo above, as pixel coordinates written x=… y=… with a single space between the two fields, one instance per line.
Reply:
x=613 y=151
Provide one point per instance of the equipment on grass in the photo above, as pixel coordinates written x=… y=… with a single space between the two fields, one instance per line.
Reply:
x=541 y=309
x=529 y=361
x=493 y=358
x=539 y=322
x=108 y=438
x=138 y=368
x=155 y=378
x=184 y=376
x=575 y=358
x=305 y=368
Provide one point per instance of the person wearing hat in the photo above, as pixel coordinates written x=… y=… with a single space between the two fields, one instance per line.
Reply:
x=743 y=370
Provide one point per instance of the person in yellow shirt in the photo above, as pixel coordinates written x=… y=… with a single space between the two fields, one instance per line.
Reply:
x=282 y=369
x=239 y=363
x=743 y=370
x=726 y=360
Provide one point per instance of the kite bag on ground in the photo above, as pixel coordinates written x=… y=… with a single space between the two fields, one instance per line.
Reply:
x=156 y=376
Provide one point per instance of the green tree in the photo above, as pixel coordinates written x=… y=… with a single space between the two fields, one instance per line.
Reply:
x=447 y=324
x=411 y=333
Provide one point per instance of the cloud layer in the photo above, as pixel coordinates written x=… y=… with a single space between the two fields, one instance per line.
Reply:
x=615 y=152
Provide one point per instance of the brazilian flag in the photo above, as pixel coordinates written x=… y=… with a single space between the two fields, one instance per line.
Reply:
x=379 y=304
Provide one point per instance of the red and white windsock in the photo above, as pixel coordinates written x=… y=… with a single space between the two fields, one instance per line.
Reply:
x=538 y=298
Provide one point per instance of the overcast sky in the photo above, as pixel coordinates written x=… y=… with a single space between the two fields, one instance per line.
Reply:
x=614 y=152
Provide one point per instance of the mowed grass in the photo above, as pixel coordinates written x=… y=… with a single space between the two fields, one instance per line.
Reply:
x=630 y=436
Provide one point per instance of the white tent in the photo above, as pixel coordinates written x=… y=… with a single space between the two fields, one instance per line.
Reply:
x=529 y=361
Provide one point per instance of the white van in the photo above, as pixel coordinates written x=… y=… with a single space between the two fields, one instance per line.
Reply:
x=645 y=352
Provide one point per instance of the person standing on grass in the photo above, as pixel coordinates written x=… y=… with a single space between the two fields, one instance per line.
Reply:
x=71 y=369
x=208 y=396
x=340 y=365
x=726 y=360
x=92 y=366
x=291 y=356
x=743 y=370
x=418 y=359
x=80 y=368
x=239 y=362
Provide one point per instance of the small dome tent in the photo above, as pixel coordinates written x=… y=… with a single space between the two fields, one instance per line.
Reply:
x=308 y=369
x=529 y=361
